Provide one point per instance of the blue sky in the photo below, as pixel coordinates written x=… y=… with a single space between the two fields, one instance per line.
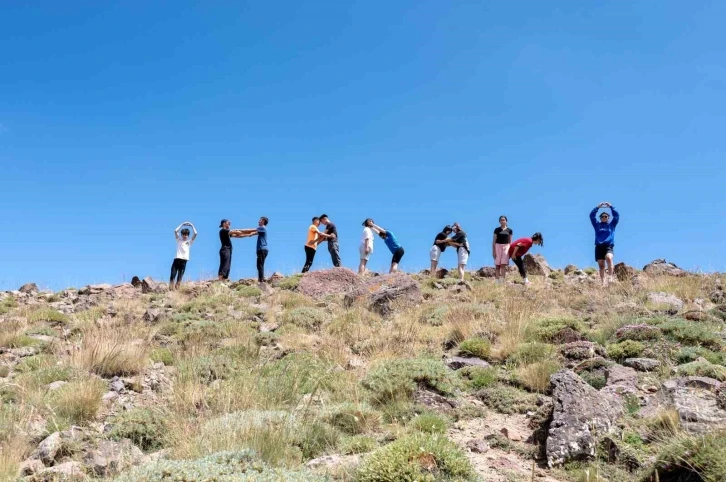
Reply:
x=119 y=120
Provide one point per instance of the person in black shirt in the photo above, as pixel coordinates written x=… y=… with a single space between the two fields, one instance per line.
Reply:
x=331 y=236
x=225 y=252
x=500 y=248
x=440 y=242
x=461 y=242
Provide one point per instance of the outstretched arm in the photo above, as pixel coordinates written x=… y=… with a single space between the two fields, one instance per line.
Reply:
x=377 y=228
x=593 y=216
x=616 y=217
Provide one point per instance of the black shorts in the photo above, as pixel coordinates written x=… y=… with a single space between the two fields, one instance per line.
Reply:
x=601 y=250
x=397 y=256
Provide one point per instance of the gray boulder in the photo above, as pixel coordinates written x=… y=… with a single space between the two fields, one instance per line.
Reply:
x=581 y=415
x=49 y=448
x=642 y=364
x=383 y=293
x=29 y=288
x=536 y=264
x=336 y=281
x=459 y=362
x=663 y=267
x=665 y=302
x=698 y=402
x=109 y=458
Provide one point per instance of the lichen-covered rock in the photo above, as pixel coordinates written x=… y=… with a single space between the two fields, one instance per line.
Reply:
x=698 y=403
x=642 y=364
x=639 y=332
x=662 y=267
x=581 y=350
x=580 y=416
x=382 y=293
x=335 y=281
x=665 y=302
x=49 y=448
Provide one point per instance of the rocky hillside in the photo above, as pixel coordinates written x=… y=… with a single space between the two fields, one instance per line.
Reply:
x=386 y=378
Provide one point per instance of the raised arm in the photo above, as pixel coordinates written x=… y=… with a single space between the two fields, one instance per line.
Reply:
x=377 y=228
x=616 y=217
x=593 y=216
x=194 y=230
x=178 y=228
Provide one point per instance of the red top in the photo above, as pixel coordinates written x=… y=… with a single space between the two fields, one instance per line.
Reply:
x=524 y=245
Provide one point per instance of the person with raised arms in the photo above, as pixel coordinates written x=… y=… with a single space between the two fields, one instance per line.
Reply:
x=500 y=248
x=441 y=241
x=461 y=243
x=331 y=236
x=604 y=239
x=311 y=244
x=366 y=245
x=183 y=246
x=519 y=248
x=261 y=232
x=393 y=246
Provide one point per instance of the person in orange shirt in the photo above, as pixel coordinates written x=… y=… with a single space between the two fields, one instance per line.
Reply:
x=311 y=245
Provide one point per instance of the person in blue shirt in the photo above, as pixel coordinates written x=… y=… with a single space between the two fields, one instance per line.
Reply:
x=393 y=245
x=604 y=239
x=261 y=232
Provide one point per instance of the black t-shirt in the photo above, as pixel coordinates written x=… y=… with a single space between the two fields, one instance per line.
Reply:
x=331 y=229
x=460 y=237
x=224 y=237
x=503 y=235
x=439 y=237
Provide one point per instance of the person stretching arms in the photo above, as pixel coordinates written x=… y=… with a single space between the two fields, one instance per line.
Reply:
x=604 y=239
x=393 y=245
x=461 y=242
x=261 y=232
x=366 y=245
x=183 y=245
x=440 y=242
x=519 y=248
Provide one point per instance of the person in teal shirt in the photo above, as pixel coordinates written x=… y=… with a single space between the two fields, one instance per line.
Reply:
x=393 y=246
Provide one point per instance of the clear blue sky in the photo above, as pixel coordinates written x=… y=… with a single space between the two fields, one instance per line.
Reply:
x=119 y=120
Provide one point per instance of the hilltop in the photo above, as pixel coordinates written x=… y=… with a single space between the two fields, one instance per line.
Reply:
x=405 y=377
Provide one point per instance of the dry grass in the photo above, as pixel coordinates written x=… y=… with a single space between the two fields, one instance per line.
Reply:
x=77 y=402
x=110 y=353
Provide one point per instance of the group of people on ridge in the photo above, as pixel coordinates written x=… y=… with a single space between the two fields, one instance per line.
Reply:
x=504 y=248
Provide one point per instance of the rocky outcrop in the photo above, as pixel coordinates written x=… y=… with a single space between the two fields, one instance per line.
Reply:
x=336 y=281
x=662 y=267
x=582 y=350
x=581 y=415
x=571 y=269
x=486 y=272
x=381 y=294
x=536 y=264
x=109 y=458
x=623 y=272
x=642 y=364
x=698 y=401
x=664 y=302
x=29 y=288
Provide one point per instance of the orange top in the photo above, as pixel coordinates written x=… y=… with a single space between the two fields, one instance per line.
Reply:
x=312 y=236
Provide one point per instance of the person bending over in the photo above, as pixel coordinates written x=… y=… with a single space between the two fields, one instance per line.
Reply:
x=519 y=248
x=393 y=245
x=183 y=246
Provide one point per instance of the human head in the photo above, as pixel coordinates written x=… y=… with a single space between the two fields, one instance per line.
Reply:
x=324 y=219
x=368 y=222
x=224 y=224
x=447 y=230
x=503 y=220
x=604 y=217
x=263 y=221
x=316 y=221
x=538 y=239
x=185 y=232
x=456 y=227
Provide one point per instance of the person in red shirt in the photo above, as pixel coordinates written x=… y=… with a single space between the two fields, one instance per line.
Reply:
x=519 y=248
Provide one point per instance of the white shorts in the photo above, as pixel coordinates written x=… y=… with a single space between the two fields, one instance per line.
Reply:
x=462 y=255
x=363 y=255
x=435 y=253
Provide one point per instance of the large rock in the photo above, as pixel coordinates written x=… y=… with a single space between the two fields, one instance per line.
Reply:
x=638 y=332
x=582 y=350
x=148 y=285
x=383 y=293
x=49 y=448
x=336 y=281
x=571 y=269
x=486 y=272
x=109 y=457
x=66 y=472
x=536 y=264
x=642 y=364
x=662 y=267
x=698 y=403
x=623 y=272
x=580 y=416
x=29 y=288
x=665 y=302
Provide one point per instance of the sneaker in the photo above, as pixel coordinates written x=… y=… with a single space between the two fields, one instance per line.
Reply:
x=526 y=281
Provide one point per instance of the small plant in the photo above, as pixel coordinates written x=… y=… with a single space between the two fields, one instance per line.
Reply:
x=248 y=291
x=508 y=400
x=357 y=444
x=689 y=354
x=353 y=419
x=434 y=315
x=589 y=271
x=478 y=347
x=78 y=401
x=47 y=314
x=693 y=457
x=304 y=317
x=429 y=422
x=703 y=368
x=690 y=333
x=108 y=357
x=632 y=403
x=595 y=380
x=625 y=349
x=4 y=371
x=7 y=304
x=146 y=428
x=548 y=328
x=478 y=377
x=536 y=377
x=533 y=352
x=314 y=438
x=414 y=458
x=162 y=355
x=398 y=379
x=290 y=283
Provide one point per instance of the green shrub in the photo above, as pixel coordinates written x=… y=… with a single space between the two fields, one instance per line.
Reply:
x=478 y=377
x=533 y=352
x=315 y=437
x=691 y=333
x=590 y=270
x=357 y=444
x=417 y=458
x=398 y=379
x=4 y=371
x=546 y=329
x=36 y=362
x=703 y=368
x=353 y=419
x=47 y=314
x=304 y=317
x=595 y=380
x=248 y=291
x=434 y=315
x=241 y=466
x=689 y=354
x=146 y=428
x=162 y=355
x=507 y=400
x=429 y=422
x=20 y=341
x=291 y=282
x=536 y=377
x=44 y=376
x=625 y=349
x=719 y=312
x=693 y=457
x=478 y=347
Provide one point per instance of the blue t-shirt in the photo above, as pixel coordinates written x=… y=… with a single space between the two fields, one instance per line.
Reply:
x=392 y=242
x=261 y=238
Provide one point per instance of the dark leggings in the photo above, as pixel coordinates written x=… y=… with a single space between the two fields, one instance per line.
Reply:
x=261 y=256
x=177 y=270
x=309 y=256
x=225 y=261
x=520 y=265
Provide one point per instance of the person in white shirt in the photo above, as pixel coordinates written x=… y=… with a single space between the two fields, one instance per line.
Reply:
x=366 y=245
x=183 y=244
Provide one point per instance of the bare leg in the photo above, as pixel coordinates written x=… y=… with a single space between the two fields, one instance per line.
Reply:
x=503 y=270
x=601 y=265
x=496 y=271
x=362 y=266
x=433 y=268
x=609 y=260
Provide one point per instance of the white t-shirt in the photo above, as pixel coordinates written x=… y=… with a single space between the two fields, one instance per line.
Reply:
x=367 y=234
x=182 y=248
